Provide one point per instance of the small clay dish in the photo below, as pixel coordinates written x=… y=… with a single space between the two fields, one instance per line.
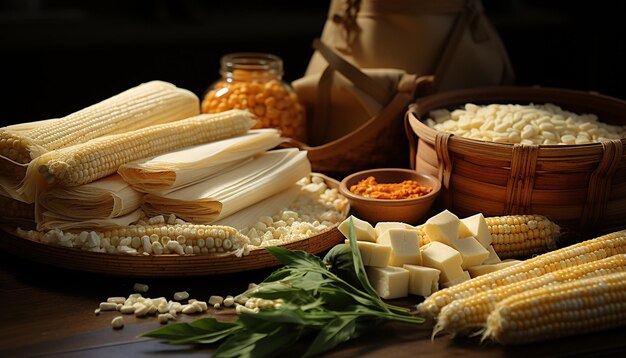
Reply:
x=409 y=211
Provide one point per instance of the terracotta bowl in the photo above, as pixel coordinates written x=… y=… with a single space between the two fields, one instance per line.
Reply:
x=409 y=211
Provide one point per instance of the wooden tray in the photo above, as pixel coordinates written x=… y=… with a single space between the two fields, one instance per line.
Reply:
x=163 y=265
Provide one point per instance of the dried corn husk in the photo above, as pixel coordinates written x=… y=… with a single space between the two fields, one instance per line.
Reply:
x=178 y=169
x=222 y=195
x=98 y=202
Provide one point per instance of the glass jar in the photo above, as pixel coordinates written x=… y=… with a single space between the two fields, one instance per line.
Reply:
x=253 y=81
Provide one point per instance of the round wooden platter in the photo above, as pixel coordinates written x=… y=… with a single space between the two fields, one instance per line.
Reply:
x=163 y=265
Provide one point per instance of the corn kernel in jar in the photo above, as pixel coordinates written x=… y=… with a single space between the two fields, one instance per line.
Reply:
x=253 y=81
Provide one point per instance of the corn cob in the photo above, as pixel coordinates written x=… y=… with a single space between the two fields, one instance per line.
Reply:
x=152 y=239
x=100 y=157
x=522 y=235
x=147 y=104
x=586 y=251
x=516 y=236
x=471 y=313
x=560 y=310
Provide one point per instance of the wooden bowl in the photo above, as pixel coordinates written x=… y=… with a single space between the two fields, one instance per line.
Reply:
x=403 y=210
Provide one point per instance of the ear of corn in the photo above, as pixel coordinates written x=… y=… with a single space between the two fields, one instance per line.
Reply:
x=464 y=315
x=516 y=236
x=147 y=104
x=590 y=250
x=560 y=310
x=100 y=157
x=152 y=239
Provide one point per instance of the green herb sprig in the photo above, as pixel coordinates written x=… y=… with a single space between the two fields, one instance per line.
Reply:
x=330 y=301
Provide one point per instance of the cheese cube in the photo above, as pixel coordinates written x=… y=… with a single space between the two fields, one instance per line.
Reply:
x=423 y=281
x=472 y=252
x=373 y=254
x=493 y=256
x=362 y=229
x=465 y=276
x=476 y=226
x=404 y=245
x=383 y=226
x=443 y=258
x=485 y=269
x=389 y=282
x=443 y=227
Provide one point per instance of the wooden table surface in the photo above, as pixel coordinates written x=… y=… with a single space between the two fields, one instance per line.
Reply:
x=46 y=311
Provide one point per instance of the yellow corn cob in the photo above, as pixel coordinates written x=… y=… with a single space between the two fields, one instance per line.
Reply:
x=560 y=310
x=100 y=157
x=147 y=104
x=471 y=313
x=154 y=239
x=516 y=236
x=586 y=251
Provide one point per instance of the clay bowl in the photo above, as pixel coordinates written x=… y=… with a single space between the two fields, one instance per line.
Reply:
x=409 y=211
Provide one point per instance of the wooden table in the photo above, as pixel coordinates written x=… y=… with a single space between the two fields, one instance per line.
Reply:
x=45 y=311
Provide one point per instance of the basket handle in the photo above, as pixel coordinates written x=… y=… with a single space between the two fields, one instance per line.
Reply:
x=352 y=73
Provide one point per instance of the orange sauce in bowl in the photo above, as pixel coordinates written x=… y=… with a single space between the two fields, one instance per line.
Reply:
x=407 y=189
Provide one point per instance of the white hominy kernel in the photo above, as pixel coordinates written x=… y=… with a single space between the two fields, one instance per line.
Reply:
x=141 y=287
x=127 y=309
x=142 y=311
x=119 y=306
x=163 y=318
x=189 y=309
x=152 y=309
x=108 y=306
x=157 y=248
x=96 y=311
x=171 y=219
x=199 y=306
x=179 y=296
x=116 y=299
x=229 y=301
x=215 y=299
x=203 y=305
x=217 y=306
x=117 y=322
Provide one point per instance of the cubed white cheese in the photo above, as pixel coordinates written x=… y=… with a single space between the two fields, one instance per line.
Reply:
x=443 y=258
x=485 y=269
x=423 y=281
x=373 y=254
x=493 y=256
x=404 y=245
x=362 y=229
x=389 y=282
x=472 y=252
x=443 y=227
x=465 y=276
x=383 y=226
x=476 y=226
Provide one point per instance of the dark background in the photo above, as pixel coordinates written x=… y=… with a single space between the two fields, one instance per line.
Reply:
x=57 y=56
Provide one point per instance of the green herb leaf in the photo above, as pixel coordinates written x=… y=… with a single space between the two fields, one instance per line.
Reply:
x=239 y=345
x=296 y=258
x=200 y=327
x=336 y=331
x=359 y=269
x=341 y=263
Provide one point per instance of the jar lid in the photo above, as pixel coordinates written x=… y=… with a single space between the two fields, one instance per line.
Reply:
x=251 y=61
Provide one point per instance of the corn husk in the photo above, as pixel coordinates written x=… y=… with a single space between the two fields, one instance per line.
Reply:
x=53 y=220
x=104 y=199
x=178 y=169
x=222 y=195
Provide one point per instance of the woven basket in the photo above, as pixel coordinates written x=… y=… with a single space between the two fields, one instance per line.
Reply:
x=581 y=186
